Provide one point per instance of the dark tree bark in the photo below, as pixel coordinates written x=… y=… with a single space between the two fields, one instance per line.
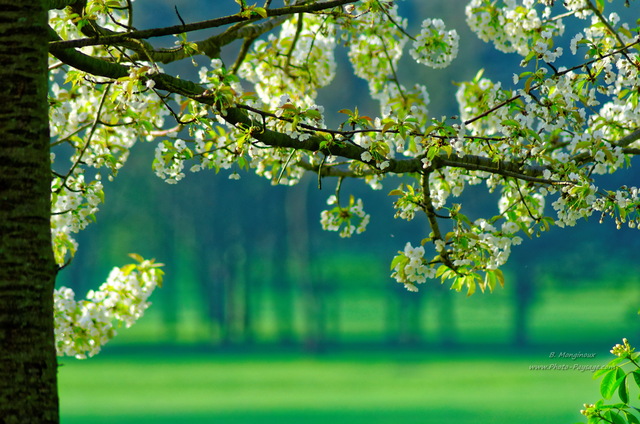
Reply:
x=28 y=392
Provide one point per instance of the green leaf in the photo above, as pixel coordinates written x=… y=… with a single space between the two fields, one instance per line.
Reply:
x=583 y=144
x=511 y=122
x=618 y=405
x=429 y=129
x=636 y=377
x=159 y=274
x=610 y=382
x=313 y=114
x=527 y=84
x=126 y=270
x=470 y=282
x=606 y=385
x=398 y=260
x=499 y=276
x=490 y=280
x=616 y=418
x=261 y=11
x=425 y=241
x=458 y=283
x=441 y=270
x=593 y=420
x=632 y=419
x=136 y=257
x=600 y=372
x=623 y=390
x=478 y=76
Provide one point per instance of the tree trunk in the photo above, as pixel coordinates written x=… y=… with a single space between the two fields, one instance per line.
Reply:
x=524 y=289
x=28 y=392
x=298 y=248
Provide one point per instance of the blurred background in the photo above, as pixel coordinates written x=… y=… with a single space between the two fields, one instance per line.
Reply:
x=265 y=318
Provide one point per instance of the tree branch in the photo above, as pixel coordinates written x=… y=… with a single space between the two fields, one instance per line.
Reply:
x=240 y=117
x=625 y=141
x=531 y=173
x=212 y=45
x=60 y=4
x=429 y=210
x=631 y=138
x=331 y=170
x=196 y=26
x=631 y=151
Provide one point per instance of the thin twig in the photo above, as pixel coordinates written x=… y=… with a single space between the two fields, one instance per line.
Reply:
x=89 y=136
x=429 y=210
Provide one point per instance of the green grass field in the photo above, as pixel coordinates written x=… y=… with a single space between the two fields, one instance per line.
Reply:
x=482 y=383
x=346 y=388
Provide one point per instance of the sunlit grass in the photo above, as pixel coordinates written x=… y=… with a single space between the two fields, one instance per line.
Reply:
x=466 y=387
x=339 y=389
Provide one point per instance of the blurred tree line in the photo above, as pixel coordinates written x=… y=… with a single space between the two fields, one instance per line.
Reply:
x=247 y=263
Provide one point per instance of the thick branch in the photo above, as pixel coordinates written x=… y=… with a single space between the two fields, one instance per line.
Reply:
x=531 y=173
x=86 y=63
x=631 y=151
x=627 y=140
x=60 y=4
x=196 y=26
x=212 y=45
x=95 y=30
x=239 y=117
x=429 y=210
x=331 y=170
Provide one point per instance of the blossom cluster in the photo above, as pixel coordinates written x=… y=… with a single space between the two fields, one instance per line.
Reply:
x=376 y=42
x=222 y=85
x=74 y=204
x=483 y=246
x=410 y=268
x=168 y=162
x=623 y=350
x=435 y=46
x=82 y=327
x=346 y=220
x=515 y=27
x=294 y=63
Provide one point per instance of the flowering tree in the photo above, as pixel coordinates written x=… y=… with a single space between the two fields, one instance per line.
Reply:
x=539 y=141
